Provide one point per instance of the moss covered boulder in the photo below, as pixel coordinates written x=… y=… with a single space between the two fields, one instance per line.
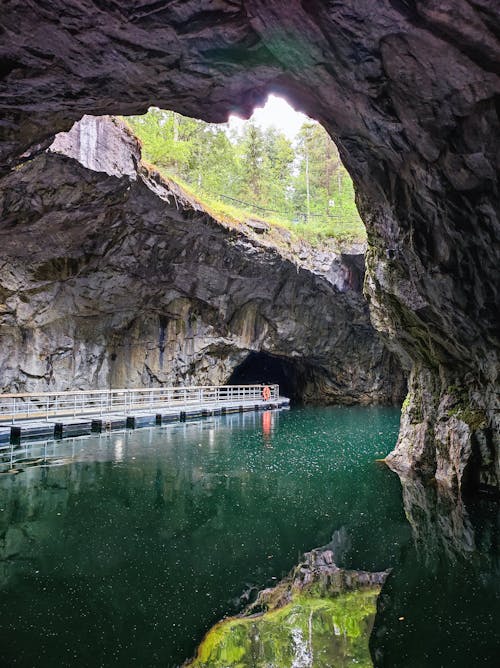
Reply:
x=319 y=616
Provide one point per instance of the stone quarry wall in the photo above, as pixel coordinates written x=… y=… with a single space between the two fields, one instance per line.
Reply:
x=116 y=278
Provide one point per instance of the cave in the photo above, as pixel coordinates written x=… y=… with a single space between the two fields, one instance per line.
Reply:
x=408 y=90
x=260 y=367
x=112 y=275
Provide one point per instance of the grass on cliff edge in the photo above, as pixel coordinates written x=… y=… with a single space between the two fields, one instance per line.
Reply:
x=350 y=229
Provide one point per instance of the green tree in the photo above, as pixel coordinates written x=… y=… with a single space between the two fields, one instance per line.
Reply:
x=157 y=129
x=278 y=169
x=262 y=168
x=252 y=152
x=322 y=185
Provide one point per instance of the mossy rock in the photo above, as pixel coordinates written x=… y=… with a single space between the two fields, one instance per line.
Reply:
x=474 y=417
x=330 y=631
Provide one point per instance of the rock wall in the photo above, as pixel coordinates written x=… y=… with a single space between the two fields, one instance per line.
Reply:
x=410 y=91
x=115 y=277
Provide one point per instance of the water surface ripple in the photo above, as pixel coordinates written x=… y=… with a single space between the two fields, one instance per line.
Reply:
x=131 y=545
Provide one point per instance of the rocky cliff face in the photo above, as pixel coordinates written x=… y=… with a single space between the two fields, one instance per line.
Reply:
x=409 y=90
x=116 y=277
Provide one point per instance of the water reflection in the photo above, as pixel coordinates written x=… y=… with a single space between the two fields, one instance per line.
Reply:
x=445 y=593
x=125 y=548
x=118 y=455
x=114 y=446
x=440 y=522
x=267 y=427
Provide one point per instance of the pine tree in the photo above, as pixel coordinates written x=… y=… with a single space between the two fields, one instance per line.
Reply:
x=305 y=181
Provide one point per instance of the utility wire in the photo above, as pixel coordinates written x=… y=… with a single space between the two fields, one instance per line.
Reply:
x=299 y=214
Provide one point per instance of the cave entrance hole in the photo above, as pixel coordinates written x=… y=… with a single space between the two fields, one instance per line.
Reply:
x=279 y=166
x=260 y=367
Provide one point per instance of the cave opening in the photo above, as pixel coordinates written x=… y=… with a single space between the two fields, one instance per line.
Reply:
x=278 y=168
x=261 y=367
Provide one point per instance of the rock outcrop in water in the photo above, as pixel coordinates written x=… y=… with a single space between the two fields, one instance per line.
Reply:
x=319 y=615
x=409 y=90
x=116 y=277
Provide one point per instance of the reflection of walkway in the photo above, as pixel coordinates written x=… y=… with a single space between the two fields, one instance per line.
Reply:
x=15 y=458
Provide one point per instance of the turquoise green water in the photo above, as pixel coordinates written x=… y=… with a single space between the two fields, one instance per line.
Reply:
x=129 y=550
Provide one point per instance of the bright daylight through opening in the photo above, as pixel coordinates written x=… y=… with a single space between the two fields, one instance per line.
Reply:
x=279 y=168
x=249 y=367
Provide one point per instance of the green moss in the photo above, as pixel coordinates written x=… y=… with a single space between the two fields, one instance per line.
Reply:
x=413 y=404
x=474 y=417
x=335 y=630
x=459 y=396
x=462 y=408
x=416 y=413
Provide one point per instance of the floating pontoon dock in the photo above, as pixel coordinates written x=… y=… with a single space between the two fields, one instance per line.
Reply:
x=60 y=414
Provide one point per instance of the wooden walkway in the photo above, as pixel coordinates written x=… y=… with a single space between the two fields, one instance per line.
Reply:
x=62 y=414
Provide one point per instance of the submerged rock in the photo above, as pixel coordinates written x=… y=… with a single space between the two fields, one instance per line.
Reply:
x=114 y=276
x=318 y=616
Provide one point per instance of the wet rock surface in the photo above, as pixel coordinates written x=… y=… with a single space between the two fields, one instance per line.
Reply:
x=409 y=90
x=318 y=572
x=319 y=615
x=115 y=277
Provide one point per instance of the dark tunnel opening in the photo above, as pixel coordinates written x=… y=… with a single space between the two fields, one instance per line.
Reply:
x=259 y=367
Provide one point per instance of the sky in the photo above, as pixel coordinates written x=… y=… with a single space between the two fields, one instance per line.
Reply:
x=275 y=112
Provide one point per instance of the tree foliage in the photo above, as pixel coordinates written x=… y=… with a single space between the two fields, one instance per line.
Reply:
x=303 y=183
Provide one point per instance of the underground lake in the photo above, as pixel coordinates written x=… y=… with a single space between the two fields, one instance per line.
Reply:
x=126 y=548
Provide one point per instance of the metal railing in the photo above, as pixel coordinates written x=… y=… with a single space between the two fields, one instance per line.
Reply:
x=46 y=405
